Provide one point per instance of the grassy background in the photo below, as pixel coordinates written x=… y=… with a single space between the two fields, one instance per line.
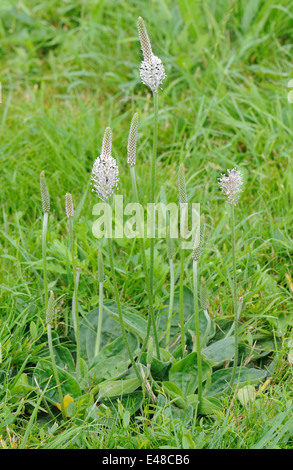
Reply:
x=69 y=69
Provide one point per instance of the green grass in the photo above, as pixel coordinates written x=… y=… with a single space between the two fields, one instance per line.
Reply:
x=69 y=69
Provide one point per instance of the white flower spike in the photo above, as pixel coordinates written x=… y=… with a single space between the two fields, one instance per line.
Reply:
x=231 y=185
x=105 y=173
x=152 y=72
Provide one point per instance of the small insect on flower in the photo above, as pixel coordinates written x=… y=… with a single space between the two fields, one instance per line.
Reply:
x=152 y=72
x=231 y=185
x=105 y=173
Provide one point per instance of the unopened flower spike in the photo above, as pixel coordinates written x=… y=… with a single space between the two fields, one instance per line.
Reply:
x=44 y=193
x=50 y=310
x=105 y=173
x=182 y=185
x=199 y=240
x=231 y=185
x=132 y=138
x=152 y=72
x=69 y=205
x=107 y=143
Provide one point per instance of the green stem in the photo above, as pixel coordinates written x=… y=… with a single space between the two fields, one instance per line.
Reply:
x=98 y=339
x=181 y=313
x=171 y=302
x=197 y=331
x=151 y=316
x=55 y=371
x=110 y=250
x=234 y=297
x=44 y=250
x=152 y=240
x=75 y=301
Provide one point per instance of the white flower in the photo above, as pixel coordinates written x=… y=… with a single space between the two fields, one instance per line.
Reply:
x=152 y=72
x=231 y=185
x=105 y=173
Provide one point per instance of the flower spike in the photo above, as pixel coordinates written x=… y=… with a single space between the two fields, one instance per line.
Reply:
x=105 y=173
x=152 y=72
x=132 y=138
x=231 y=185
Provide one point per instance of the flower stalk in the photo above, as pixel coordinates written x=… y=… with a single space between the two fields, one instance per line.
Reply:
x=183 y=203
x=105 y=178
x=70 y=214
x=170 y=256
x=49 y=322
x=152 y=74
x=101 y=283
x=234 y=296
x=231 y=186
x=204 y=306
x=196 y=253
x=46 y=209
x=131 y=160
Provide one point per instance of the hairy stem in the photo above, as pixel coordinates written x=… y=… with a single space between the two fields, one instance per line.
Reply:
x=55 y=371
x=75 y=302
x=44 y=250
x=234 y=297
x=152 y=240
x=171 y=302
x=181 y=313
x=98 y=339
x=197 y=330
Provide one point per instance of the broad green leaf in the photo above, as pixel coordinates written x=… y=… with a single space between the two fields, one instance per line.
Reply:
x=192 y=400
x=220 y=351
x=130 y=402
x=109 y=368
x=85 y=379
x=111 y=329
x=133 y=321
x=116 y=388
x=64 y=359
x=188 y=313
x=21 y=386
x=220 y=380
x=247 y=395
x=184 y=373
x=174 y=393
x=117 y=348
x=43 y=373
x=209 y=406
x=159 y=369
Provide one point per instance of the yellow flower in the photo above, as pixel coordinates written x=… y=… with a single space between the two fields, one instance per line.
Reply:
x=67 y=399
